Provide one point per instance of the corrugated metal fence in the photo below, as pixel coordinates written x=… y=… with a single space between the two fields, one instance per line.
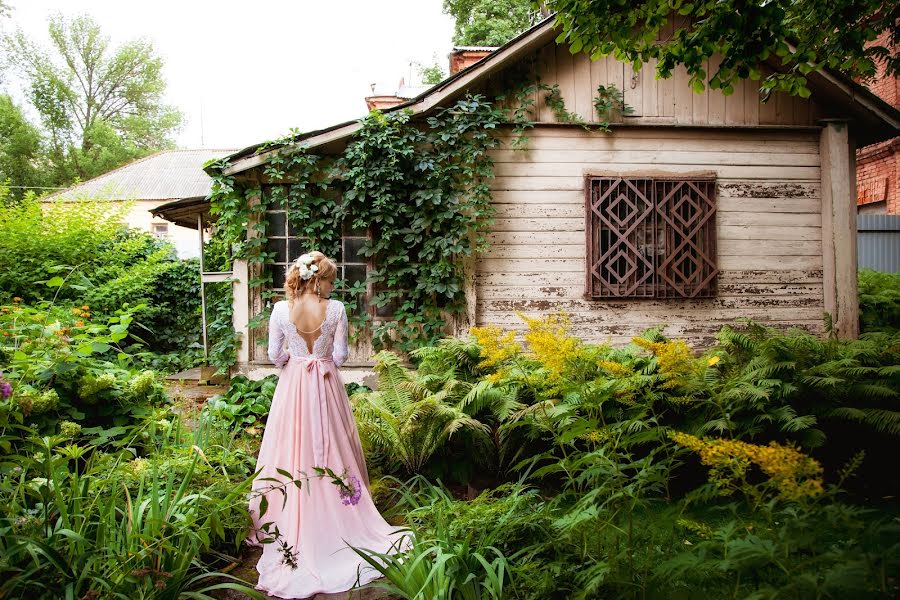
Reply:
x=878 y=242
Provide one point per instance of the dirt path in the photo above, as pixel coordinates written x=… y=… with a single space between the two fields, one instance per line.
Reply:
x=189 y=398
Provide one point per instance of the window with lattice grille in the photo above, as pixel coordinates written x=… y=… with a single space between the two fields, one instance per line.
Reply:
x=650 y=238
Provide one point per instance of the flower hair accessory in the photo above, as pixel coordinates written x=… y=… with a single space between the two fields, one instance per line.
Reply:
x=306 y=266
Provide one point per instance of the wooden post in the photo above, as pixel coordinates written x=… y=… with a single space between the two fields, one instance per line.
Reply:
x=254 y=272
x=203 y=323
x=471 y=294
x=240 y=317
x=838 y=160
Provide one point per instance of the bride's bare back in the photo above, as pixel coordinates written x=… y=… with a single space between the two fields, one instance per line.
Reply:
x=308 y=314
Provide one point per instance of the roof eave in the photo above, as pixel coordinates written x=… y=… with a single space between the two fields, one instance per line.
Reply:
x=184 y=212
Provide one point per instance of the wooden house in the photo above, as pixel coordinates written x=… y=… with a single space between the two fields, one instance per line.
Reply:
x=695 y=211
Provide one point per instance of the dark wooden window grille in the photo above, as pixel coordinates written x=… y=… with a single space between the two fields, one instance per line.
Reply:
x=650 y=238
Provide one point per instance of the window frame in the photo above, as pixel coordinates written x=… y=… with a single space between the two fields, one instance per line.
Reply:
x=286 y=238
x=164 y=234
x=656 y=217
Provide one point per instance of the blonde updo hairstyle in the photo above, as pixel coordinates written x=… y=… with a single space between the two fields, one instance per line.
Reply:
x=294 y=285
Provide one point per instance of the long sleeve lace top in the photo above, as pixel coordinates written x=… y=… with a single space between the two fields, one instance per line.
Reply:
x=331 y=343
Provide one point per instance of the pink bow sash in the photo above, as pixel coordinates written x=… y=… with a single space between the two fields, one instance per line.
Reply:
x=318 y=409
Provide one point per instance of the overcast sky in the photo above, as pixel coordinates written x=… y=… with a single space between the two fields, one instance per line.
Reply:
x=259 y=68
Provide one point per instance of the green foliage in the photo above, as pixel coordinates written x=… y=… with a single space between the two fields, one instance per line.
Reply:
x=431 y=74
x=622 y=510
x=879 y=301
x=244 y=402
x=63 y=367
x=554 y=100
x=21 y=154
x=78 y=522
x=410 y=418
x=223 y=339
x=101 y=106
x=610 y=105
x=792 y=381
x=38 y=239
x=489 y=22
x=803 y=37
x=458 y=550
x=80 y=252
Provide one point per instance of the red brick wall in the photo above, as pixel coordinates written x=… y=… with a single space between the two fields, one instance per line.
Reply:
x=878 y=165
x=886 y=88
x=460 y=59
x=878 y=175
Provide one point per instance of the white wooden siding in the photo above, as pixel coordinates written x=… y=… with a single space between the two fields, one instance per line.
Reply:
x=661 y=101
x=768 y=225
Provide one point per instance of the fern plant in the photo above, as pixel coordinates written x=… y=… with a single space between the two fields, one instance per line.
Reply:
x=770 y=384
x=411 y=417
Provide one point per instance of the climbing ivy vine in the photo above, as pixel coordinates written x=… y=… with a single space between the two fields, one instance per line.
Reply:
x=421 y=190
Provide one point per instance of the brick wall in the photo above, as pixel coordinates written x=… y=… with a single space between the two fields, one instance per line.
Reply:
x=878 y=165
x=461 y=58
x=878 y=175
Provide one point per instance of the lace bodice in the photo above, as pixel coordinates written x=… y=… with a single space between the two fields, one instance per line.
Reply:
x=331 y=343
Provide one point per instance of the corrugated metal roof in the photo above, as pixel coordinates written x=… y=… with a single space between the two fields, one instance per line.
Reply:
x=166 y=175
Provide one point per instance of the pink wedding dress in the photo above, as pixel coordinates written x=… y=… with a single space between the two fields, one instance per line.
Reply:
x=311 y=425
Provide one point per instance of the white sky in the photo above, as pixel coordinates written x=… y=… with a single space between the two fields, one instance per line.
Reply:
x=260 y=68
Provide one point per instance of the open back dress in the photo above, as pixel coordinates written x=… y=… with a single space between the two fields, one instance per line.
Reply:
x=310 y=424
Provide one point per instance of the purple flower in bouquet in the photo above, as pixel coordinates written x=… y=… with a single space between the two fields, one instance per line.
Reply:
x=349 y=486
x=351 y=492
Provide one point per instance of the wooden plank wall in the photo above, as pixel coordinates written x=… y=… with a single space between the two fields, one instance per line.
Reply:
x=661 y=100
x=768 y=226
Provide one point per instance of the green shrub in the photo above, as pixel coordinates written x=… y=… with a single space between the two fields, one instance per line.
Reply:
x=64 y=363
x=879 y=301
x=75 y=531
x=80 y=252
x=244 y=403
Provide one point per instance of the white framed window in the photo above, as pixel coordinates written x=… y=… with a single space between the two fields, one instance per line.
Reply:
x=160 y=230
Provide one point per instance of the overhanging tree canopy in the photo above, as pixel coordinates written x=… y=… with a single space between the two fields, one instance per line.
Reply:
x=805 y=35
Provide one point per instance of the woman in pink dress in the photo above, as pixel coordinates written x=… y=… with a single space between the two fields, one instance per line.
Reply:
x=311 y=425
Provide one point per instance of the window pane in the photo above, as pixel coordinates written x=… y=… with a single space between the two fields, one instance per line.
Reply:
x=361 y=308
x=387 y=310
x=621 y=238
x=351 y=250
x=275 y=224
x=350 y=231
x=279 y=247
x=687 y=262
x=354 y=274
x=278 y=276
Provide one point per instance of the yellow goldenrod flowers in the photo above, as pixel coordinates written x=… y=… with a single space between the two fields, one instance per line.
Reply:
x=794 y=475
